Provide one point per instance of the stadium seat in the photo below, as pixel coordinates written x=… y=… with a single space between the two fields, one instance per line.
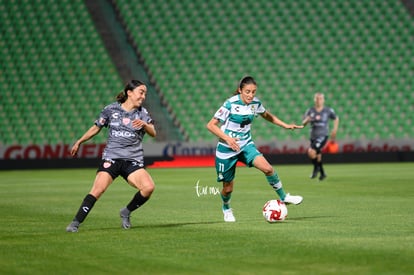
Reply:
x=356 y=52
x=48 y=55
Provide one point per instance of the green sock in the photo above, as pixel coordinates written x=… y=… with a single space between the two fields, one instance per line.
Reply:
x=276 y=184
x=281 y=193
x=226 y=201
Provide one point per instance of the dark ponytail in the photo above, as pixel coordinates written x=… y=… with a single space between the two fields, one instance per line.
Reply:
x=131 y=85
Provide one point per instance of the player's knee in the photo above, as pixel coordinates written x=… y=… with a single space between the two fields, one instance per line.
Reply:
x=97 y=192
x=227 y=191
x=148 y=188
x=268 y=170
x=312 y=153
x=227 y=188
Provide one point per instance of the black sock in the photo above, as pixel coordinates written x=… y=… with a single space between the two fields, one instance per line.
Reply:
x=85 y=207
x=137 y=201
x=315 y=164
x=321 y=168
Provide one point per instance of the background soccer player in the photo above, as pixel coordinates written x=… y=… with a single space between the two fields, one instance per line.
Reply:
x=128 y=122
x=231 y=124
x=318 y=117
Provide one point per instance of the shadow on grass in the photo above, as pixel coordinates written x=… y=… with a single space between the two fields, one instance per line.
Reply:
x=178 y=224
x=310 y=218
x=181 y=224
x=160 y=225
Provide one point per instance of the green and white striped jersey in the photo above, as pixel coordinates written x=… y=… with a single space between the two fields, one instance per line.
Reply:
x=236 y=118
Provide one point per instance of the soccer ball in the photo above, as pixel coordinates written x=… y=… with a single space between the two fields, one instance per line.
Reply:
x=275 y=211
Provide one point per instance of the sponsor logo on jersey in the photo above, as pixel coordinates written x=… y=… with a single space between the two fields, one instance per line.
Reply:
x=122 y=134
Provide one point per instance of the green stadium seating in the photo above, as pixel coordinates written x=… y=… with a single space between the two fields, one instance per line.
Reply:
x=55 y=74
x=356 y=52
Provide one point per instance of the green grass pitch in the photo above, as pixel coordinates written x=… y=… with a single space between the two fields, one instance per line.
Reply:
x=359 y=221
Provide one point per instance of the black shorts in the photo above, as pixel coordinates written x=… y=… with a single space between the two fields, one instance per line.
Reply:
x=318 y=143
x=119 y=167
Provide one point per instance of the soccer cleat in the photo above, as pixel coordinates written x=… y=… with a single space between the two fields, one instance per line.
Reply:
x=314 y=174
x=289 y=199
x=73 y=227
x=322 y=176
x=126 y=223
x=228 y=215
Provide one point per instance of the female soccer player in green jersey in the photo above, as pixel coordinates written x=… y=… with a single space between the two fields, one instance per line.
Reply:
x=231 y=124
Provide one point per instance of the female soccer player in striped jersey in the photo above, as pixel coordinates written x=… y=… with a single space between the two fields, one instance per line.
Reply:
x=231 y=124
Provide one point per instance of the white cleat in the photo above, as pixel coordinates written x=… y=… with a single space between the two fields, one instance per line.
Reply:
x=228 y=215
x=289 y=199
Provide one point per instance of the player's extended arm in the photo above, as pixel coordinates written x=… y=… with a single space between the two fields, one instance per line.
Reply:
x=90 y=133
x=275 y=120
x=306 y=120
